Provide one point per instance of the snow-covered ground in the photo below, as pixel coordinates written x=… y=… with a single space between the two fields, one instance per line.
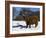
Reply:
x=20 y=30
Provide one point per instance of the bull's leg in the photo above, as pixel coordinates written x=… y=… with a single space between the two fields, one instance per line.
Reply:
x=30 y=23
x=26 y=26
x=36 y=24
x=29 y=26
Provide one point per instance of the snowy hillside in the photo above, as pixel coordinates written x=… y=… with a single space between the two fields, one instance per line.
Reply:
x=25 y=30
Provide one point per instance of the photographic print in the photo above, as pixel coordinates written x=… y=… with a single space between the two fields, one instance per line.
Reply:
x=25 y=19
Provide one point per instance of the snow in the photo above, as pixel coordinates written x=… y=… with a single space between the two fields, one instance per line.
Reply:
x=15 y=23
x=25 y=30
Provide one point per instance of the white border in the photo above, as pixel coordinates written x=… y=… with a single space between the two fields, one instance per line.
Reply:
x=32 y=6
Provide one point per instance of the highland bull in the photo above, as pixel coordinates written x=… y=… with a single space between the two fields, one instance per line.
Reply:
x=30 y=20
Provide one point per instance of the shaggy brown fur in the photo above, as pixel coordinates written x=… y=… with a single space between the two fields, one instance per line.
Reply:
x=29 y=20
